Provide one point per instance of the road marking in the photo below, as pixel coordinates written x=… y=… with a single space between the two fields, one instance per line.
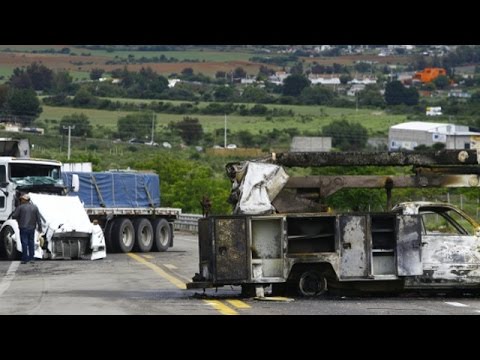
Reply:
x=178 y=283
x=220 y=307
x=148 y=256
x=457 y=304
x=170 y=266
x=239 y=304
x=7 y=279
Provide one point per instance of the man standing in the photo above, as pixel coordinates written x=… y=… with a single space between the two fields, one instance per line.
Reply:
x=28 y=217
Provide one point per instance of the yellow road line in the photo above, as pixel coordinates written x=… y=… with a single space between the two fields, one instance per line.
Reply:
x=239 y=304
x=148 y=256
x=220 y=307
x=159 y=271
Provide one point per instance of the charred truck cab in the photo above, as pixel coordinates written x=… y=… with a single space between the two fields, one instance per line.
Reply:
x=293 y=242
x=66 y=229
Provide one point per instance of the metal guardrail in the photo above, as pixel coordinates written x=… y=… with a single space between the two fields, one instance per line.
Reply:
x=187 y=222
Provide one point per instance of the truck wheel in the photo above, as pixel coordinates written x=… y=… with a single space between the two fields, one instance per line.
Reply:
x=8 y=246
x=312 y=283
x=143 y=235
x=123 y=235
x=163 y=235
x=109 y=238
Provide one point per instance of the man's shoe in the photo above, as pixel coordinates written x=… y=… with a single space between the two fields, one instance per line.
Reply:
x=23 y=262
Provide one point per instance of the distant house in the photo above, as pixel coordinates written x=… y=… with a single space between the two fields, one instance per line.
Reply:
x=459 y=94
x=324 y=81
x=173 y=82
x=278 y=78
x=355 y=89
x=310 y=144
x=409 y=135
x=364 y=81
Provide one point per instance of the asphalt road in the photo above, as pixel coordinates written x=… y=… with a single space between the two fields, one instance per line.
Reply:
x=154 y=284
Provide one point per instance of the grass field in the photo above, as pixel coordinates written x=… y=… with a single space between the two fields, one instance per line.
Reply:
x=376 y=122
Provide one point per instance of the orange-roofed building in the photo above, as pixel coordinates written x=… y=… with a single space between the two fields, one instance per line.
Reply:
x=429 y=74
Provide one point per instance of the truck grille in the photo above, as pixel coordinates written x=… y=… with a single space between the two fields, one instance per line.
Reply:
x=73 y=248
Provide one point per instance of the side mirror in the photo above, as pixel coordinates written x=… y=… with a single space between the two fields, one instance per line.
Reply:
x=75 y=183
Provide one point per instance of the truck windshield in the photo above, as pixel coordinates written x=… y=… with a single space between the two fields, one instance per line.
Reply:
x=35 y=174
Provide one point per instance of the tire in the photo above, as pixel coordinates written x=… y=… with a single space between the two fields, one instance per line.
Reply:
x=163 y=235
x=143 y=235
x=107 y=232
x=8 y=246
x=123 y=235
x=312 y=283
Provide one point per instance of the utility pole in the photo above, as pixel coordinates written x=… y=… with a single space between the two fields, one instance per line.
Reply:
x=153 y=126
x=69 y=127
x=225 y=134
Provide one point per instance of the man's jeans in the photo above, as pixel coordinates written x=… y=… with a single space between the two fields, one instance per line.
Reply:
x=27 y=237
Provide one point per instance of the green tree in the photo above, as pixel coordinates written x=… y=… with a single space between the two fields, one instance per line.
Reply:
x=297 y=69
x=4 y=89
x=370 y=96
x=346 y=135
x=190 y=130
x=137 y=126
x=187 y=72
x=224 y=93
x=220 y=75
x=239 y=73
x=345 y=78
x=41 y=76
x=81 y=123
x=396 y=94
x=317 y=95
x=96 y=73
x=24 y=104
x=84 y=98
x=441 y=82
x=62 y=82
x=20 y=79
x=294 y=85
x=255 y=94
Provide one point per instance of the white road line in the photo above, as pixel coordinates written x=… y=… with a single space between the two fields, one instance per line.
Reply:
x=457 y=304
x=477 y=311
x=170 y=266
x=7 y=279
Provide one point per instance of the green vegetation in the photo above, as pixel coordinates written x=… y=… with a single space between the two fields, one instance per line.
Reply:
x=307 y=119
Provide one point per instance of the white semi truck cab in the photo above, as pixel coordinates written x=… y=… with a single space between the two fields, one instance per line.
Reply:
x=66 y=229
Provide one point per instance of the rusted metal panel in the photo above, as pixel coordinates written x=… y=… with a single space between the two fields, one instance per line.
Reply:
x=427 y=158
x=231 y=249
x=353 y=247
x=204 y=239
x=409 y=260
x=327 y=185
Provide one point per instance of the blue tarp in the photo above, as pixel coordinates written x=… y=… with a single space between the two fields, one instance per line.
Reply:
x=116 y=189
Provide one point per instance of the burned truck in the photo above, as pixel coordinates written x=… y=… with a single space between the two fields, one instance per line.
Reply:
x=279 y=235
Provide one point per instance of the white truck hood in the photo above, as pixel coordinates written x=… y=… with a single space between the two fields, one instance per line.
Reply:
x=62 y=213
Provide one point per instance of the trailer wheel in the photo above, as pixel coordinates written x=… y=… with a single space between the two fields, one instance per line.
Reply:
x=312 y=283
x=123 y=235
x=8 y=247
x=163 y=235
x=143 y=235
